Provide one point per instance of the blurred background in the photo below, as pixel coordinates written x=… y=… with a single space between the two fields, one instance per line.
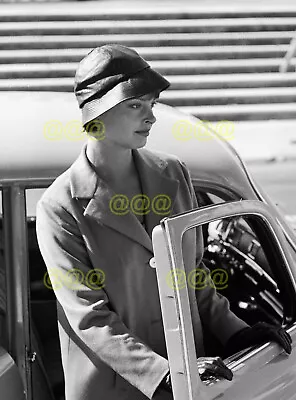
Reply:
x=226 y=61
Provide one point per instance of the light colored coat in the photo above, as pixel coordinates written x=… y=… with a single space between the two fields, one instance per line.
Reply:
x=112 y=339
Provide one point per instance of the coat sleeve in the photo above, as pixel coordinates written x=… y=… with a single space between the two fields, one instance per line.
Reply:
x=213 y=308
x=88 y=310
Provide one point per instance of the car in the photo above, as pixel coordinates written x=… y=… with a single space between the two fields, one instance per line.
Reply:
x=249 y=249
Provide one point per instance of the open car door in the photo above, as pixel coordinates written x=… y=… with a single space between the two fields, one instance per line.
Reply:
x=262 y=372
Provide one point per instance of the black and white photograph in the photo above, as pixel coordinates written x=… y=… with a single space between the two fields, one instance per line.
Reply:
x=147 y=200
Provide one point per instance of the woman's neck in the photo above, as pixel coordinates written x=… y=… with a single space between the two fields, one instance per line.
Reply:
x=114 y=165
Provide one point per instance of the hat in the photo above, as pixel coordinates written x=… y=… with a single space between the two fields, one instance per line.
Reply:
x=111 y=74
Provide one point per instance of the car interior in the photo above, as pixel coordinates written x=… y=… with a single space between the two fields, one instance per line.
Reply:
x=237 y=245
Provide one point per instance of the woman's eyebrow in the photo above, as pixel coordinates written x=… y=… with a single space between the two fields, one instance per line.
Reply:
x=152 y=97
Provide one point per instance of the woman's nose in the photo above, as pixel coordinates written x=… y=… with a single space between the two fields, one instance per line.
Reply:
x=150 y=118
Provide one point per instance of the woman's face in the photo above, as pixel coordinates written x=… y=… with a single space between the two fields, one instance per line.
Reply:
x=128 y=123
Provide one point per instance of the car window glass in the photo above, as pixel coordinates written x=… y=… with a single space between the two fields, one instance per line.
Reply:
x=205 y=196
x=234 y=245
x=40 y=290
x=32 y=197
x=43 y=301
x=214 y=198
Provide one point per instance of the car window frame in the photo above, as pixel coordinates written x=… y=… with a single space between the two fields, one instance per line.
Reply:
x=15 y=235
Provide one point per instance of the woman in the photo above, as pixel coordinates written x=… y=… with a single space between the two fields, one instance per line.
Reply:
x=110 y=322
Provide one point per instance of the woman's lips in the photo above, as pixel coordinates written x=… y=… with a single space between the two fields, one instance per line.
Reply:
x=143 y=133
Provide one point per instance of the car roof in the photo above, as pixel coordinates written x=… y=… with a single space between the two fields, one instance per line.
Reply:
x=29 y=150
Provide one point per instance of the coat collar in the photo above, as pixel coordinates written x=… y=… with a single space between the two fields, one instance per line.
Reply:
x=86 y=184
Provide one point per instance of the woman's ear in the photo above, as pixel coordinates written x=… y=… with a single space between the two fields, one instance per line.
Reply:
x=95 y=128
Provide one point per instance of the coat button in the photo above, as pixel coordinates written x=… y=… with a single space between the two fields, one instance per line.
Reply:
x=152 y=262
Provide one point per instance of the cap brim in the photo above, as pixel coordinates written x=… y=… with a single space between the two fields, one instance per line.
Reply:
x=144 y=82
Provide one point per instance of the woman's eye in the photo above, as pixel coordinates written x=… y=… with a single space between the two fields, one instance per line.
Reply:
x=138 y=105
x=135 y=105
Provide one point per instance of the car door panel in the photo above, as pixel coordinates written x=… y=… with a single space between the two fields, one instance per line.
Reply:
x=268 y=373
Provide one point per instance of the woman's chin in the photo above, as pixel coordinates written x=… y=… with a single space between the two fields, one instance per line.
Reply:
x=140 y=143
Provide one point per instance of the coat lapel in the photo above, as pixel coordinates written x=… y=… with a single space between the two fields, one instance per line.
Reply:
x=160 y=190
x=96 y=195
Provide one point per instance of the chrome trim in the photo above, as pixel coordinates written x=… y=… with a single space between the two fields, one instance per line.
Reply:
x=33 y=183
x=271 y=302
x=233 y=364
x=252 y=263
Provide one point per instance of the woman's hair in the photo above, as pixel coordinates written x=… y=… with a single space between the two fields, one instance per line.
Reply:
x=95 y=128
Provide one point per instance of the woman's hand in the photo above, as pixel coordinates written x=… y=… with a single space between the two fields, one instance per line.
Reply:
x=258 y=334
x=266 y=332
x=207 y=366
x=213 y=366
